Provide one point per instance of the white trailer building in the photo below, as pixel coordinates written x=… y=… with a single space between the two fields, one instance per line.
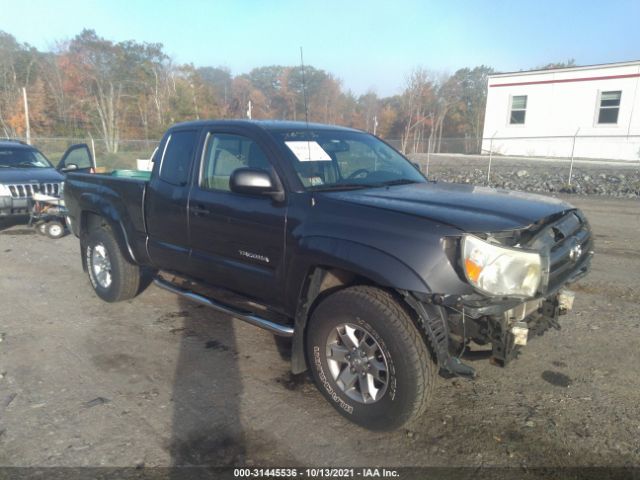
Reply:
x=588 y=112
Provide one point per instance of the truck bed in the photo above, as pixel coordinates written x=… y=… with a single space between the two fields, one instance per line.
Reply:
x=122 y=191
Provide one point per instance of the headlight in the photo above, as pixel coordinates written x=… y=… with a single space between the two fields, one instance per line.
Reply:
x=4 y=191
x=498 y=270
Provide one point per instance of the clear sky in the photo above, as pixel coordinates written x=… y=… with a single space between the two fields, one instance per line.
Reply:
x=368 y=44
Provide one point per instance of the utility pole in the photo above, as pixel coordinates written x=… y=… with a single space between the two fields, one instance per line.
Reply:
x=249 y=108
x=26 y=115
x=93 y=148
x=375 y=124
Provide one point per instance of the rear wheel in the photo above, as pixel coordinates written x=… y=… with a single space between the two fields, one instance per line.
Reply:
x=369 y=359
x=112 y=276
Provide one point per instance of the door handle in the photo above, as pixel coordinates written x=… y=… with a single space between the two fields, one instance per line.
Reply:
x=199 y=210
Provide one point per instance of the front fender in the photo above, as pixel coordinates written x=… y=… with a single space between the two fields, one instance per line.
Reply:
x=363 y=260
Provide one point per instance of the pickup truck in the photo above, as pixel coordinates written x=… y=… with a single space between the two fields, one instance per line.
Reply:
x=381 y=278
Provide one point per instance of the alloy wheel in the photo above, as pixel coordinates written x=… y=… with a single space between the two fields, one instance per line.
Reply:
x=357 y=363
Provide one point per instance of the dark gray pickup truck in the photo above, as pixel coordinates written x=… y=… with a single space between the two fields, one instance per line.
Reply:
x=329 y=236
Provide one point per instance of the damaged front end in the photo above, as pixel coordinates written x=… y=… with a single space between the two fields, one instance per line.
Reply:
x=520 y=298
x=565 y=245
x=506 y=332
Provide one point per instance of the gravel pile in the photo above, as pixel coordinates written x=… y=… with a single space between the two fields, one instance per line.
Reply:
x=540 y=177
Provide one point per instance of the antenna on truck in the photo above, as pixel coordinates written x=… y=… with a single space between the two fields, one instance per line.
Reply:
x=304 y=90
x=306 y=109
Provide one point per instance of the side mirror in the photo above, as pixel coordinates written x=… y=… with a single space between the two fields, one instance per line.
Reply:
x=254 y=182
x=69 y=167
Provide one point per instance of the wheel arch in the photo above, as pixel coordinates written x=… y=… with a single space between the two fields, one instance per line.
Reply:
x=91 y=220
x=325 y=264
x=320 y=282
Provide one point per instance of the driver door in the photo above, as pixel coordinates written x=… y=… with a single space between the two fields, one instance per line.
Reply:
x=237 y=240
x=77 y=158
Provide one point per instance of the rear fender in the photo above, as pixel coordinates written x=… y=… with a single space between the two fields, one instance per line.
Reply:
x=97 y=212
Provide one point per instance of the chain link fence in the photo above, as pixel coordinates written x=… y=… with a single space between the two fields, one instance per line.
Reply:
x=597 y=147
x=600 y=165
x=607 y=165
x=128 y=150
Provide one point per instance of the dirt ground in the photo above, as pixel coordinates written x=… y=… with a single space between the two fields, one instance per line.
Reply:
x=159 y=381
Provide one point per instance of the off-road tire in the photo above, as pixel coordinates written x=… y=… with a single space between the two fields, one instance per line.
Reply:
x=412 y=371
x=125 y=276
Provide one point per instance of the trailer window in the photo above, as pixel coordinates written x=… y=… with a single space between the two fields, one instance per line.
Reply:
x=609 y=107
x=518 y=109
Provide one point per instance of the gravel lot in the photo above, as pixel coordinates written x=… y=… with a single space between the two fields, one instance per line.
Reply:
x=540 y=175
x=159 y=381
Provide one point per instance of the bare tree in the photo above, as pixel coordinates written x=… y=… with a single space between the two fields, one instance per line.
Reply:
x=419 y=108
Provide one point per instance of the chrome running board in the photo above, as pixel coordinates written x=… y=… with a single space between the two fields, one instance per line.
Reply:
x=275 y=328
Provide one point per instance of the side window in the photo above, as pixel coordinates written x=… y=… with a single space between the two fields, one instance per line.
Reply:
x=609 y=107
x=177 y=157
x=518 y=109
x=227 y=152
x=79 y=157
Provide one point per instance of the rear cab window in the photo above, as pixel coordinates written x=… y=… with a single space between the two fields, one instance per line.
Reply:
x=177 y=156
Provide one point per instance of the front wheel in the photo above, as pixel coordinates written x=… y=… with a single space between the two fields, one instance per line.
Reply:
x=369 y=359
x=112 y=276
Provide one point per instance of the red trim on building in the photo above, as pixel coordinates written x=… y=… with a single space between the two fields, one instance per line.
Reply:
x=567 y=80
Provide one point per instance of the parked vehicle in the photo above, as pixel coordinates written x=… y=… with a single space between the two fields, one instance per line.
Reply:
x=48 y=215
x=24 y=170
x=331 y=237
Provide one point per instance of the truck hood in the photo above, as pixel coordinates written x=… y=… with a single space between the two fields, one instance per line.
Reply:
x=466 y=207
x=30 y=175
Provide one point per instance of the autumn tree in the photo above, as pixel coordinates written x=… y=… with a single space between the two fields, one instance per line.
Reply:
x=128 y=89
x=18 y=70
x=111 y=76
x=369 y=107
x=468 y=105
x=562 y=64
x=218 y=80
x=418 y=108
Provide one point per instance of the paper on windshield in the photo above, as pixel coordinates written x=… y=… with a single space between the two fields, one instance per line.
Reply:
x=308 y=151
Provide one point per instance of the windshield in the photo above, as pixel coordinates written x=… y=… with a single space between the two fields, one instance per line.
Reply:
x=22 y=158
x=333 y=160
